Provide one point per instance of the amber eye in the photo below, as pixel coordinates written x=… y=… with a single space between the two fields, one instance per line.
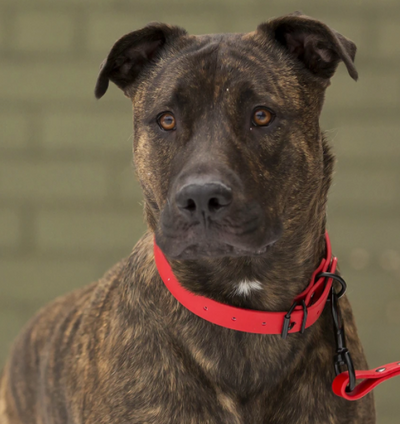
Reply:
x=167 y=121
x=262 y=117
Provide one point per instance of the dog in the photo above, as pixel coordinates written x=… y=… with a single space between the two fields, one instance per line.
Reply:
x=235 y=173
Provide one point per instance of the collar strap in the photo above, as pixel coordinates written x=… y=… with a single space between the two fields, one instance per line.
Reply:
x=305 y=311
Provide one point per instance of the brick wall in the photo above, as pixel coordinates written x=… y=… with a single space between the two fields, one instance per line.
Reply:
x=69 y=204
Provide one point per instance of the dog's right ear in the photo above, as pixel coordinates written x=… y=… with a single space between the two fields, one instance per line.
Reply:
x=132 y=54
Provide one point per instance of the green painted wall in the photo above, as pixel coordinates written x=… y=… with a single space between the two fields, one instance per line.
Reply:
x=69 y=203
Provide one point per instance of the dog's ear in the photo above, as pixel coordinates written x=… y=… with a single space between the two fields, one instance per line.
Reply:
x=312 y=42
x=132 y=54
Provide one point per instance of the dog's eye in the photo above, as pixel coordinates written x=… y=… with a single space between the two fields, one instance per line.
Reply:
x=167 y=121
x=262 y=117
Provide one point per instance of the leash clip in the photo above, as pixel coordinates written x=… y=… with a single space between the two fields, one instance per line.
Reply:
x=342 y=357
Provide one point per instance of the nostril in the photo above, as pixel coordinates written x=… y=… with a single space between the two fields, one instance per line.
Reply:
x=190 y=205
x=214 y=204
x=220 y=200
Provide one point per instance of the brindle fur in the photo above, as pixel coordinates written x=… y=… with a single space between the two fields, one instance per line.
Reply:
x=123 y=350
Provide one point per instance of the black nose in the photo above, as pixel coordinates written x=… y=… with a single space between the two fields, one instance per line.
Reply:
x=203 y=200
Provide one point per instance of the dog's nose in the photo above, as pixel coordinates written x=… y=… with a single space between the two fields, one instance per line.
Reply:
x=207 y=200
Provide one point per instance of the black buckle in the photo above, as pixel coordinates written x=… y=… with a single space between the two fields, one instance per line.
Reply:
x=287 y=325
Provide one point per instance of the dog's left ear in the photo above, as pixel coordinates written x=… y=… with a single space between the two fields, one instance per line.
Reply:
x=312 y=42
x=133 y=54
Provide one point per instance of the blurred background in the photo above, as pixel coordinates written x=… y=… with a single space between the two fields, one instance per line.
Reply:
x=70 y=206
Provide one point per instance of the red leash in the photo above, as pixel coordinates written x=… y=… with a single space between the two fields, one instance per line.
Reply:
x=370 y=380
x=306 y=309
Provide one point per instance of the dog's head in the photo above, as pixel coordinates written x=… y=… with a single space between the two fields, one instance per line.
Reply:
x=227 y=143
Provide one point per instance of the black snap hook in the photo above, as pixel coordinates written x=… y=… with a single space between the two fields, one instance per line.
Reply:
x=342 y=357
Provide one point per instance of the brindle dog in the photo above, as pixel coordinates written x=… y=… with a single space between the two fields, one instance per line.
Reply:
x=235 y=173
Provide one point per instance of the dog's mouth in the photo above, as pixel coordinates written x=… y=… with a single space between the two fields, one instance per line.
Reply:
x=210 y=250
x=198 y=243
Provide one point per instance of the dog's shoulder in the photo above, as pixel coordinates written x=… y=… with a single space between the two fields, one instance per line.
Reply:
x=56 y=343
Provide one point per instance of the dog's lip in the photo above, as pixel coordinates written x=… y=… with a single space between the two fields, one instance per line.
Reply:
x=259 y=251
x=255 y=252
x=221 y=249
x=192 y=244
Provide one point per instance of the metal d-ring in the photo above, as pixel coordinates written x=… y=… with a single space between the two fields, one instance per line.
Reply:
x=337 y=278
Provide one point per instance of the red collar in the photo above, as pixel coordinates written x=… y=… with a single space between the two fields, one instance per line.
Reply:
x=307 y=308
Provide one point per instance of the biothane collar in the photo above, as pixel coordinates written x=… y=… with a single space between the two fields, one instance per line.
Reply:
x=306 y=308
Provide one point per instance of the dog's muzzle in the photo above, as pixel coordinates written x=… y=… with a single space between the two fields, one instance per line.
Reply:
x=208 y=217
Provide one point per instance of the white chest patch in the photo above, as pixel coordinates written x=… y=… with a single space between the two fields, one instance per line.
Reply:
x=245 y=287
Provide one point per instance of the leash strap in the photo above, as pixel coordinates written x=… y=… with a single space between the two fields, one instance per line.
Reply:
x=370 y=379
